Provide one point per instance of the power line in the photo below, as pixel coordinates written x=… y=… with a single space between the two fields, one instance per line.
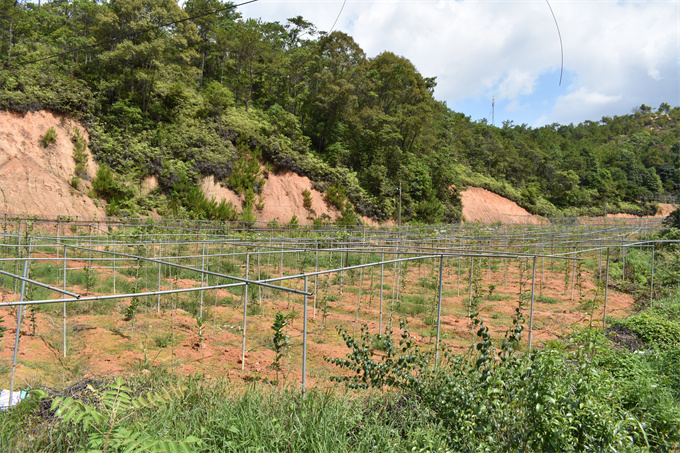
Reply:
x=561 y=46
x=338 y=16
x=135 y=33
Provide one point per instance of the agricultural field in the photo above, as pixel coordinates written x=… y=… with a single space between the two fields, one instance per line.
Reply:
x=280 y=307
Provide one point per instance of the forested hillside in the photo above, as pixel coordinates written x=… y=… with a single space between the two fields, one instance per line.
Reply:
x=184 y=92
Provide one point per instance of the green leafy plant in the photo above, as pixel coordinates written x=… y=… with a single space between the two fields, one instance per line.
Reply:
x=3 y=329
x=131 y=310
x=79 y=154
x=294 y=223
x=307 y=199
x=498 y=400
x=74 y=182
x=246 y=175
x=105 y=421
x=336 y=197
x=396 y=366
x=656 y=329
x=49 y=137
x=163 y=341
x=90 y=277
x=279 y=342
x=200 y=323
x=672 y=220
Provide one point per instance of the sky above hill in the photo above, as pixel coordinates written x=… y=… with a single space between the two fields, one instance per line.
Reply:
x=617 y=54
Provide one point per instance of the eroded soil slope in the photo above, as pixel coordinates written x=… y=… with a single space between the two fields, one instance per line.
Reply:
x=481 y=205
x=35 y=179
x=283 y=199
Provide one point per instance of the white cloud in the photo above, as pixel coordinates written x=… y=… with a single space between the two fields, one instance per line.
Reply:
x=516 y=83
x=583 y=96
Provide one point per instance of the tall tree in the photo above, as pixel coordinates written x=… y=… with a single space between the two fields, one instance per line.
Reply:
x=209 y=25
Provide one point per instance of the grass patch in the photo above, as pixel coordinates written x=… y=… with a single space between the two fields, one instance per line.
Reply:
x=547 y=300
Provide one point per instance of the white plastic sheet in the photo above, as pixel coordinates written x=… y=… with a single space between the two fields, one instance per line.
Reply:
x=16 y=397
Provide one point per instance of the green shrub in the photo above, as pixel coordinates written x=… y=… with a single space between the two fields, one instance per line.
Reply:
x=555 y=399
x=74 y=182
x=49 y=137
x=655 y=329
x=294 y=223
x=105 y=424
x=279 y=342
x=348 y=217
x=246 y=175
x=336 y=197
x=672 y=220
x=79 y=154
x=307 y=199
x=108 y=186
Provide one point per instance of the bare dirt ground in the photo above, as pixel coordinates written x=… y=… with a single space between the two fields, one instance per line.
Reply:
x=100 y=342
x=282 y=195
x=483 y=206
x=35 y=180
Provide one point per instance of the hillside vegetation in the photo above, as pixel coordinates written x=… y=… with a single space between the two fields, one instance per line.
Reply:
x=217 y=95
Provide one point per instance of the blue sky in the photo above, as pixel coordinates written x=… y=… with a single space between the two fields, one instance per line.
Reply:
x=617 y=54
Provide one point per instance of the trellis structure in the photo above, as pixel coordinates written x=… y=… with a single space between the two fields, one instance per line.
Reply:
x=48 y=261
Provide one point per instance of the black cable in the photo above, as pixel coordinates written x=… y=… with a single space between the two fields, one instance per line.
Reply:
x=560 y=36
x=120 y=38
x=338 y=16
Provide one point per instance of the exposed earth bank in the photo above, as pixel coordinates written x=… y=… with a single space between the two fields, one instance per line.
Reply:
x=36 y=180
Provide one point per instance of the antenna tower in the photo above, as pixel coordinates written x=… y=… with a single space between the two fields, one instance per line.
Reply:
x=493 y=106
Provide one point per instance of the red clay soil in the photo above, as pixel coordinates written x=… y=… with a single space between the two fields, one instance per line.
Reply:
x=35 y=180
x=283 y=199
x=102 y=343
x=282 y=195
x=483 y=206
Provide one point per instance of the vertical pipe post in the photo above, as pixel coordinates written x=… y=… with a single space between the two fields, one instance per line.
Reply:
x=573 y=275
x=361 y=285
x=64 y=305
x=472 y=266
x=458 y=281
x=200 y=309
x=160 y=254
x=531 y=310
x=316 y=276
x=245 y=314
x=114 y=268
x=19 y=314
x=439 y=310
x=651 y=286
x=624 y=251
x=259 y=277
x=382 y=273
x=606 y=292
x=304 y=343
x=505 y=259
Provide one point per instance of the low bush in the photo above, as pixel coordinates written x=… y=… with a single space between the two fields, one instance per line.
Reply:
x=495 y=399
x=49 y=137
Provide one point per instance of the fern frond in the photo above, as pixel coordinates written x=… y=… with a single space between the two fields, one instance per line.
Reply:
x=105 y=423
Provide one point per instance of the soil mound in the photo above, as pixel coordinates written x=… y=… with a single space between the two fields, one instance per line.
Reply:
x=664 y=210
x=283 y=199
x=35 y=179
x=483 y=206
x=282 y=195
